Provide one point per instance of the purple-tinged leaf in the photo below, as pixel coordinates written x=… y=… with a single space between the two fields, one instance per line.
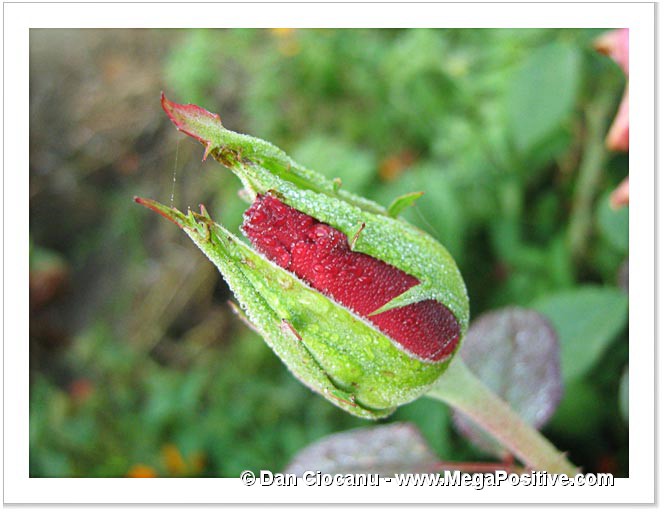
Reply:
x=515 y=352
x=384 y=450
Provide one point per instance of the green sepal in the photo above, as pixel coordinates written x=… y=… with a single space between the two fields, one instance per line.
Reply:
x=400 y=203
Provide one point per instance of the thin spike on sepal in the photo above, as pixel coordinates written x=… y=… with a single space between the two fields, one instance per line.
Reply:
x=401 y=203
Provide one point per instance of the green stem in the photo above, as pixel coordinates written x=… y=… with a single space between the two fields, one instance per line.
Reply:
x=590 y=172
x=459 y=388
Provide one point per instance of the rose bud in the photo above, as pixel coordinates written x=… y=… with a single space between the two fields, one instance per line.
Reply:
x=361 y=306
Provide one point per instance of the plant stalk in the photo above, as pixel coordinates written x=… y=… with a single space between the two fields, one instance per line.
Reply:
x=461 y=389
x=590 y=173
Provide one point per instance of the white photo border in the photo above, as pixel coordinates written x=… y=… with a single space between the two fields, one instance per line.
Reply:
x=20 y=17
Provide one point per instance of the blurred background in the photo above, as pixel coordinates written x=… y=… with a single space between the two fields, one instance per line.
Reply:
x=137 y=365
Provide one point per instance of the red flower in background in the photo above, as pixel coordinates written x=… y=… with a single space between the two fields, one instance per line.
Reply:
x=615 y=44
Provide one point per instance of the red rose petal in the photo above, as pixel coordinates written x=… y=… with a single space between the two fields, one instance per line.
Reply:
x=321 y=256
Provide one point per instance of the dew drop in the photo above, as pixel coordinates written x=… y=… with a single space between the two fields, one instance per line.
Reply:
x=365 y=280
x=284 y=282
x=319 y=231
x=315 y=304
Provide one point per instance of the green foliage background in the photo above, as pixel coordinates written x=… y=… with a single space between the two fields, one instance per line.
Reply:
x=137 y=364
